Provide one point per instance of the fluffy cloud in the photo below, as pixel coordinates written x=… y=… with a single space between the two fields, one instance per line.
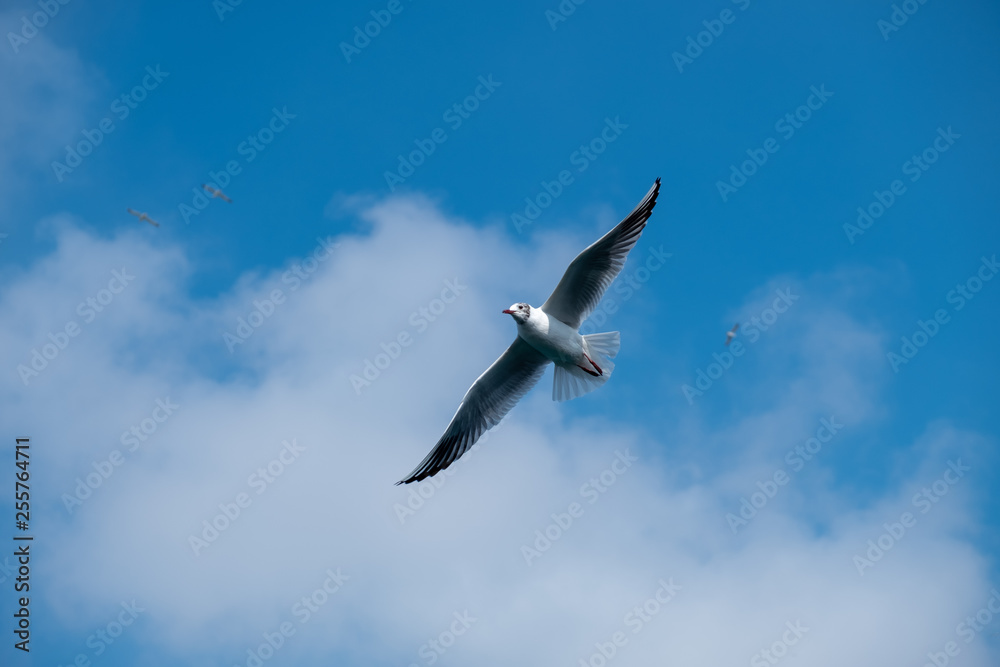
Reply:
x=47 y=91
x=787 y=581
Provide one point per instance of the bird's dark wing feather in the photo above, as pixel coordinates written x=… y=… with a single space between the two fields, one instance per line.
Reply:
x=488 y=401
x=594 y=269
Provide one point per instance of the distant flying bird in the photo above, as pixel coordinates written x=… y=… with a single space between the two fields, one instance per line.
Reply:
x=731 y=334
x=144 y=217
x=544 y=334
x=216 y=193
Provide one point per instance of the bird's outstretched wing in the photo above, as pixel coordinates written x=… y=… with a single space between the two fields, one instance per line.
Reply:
x=594 y=269
x=488 y=401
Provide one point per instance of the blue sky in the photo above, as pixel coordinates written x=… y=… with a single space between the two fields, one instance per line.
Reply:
x=838 y=106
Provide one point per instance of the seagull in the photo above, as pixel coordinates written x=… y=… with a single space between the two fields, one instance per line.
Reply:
x=216 y=193
x=549 y=333
x=144 y=217
x=731 y=334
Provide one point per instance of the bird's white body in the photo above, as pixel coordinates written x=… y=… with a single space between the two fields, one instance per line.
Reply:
x=559 y=342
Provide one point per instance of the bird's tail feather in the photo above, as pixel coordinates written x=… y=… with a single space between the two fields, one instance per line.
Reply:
x=571 y=382
x=604 y=345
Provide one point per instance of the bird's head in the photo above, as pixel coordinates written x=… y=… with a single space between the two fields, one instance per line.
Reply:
x=519 y=311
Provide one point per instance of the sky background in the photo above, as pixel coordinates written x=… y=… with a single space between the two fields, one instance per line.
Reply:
x=355 y=255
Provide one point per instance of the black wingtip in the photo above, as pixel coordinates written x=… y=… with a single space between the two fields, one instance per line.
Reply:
x=648 y=202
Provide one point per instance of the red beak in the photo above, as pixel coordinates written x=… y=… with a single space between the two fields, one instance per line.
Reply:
x=507 y=311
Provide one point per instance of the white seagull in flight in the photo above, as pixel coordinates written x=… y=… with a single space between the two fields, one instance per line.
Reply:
x=216 y=193
x=544 y=334
x=144 y=217
x=731 y=334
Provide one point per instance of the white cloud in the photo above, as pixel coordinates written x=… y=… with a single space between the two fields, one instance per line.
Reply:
x=333 y=506
x=47 y=91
